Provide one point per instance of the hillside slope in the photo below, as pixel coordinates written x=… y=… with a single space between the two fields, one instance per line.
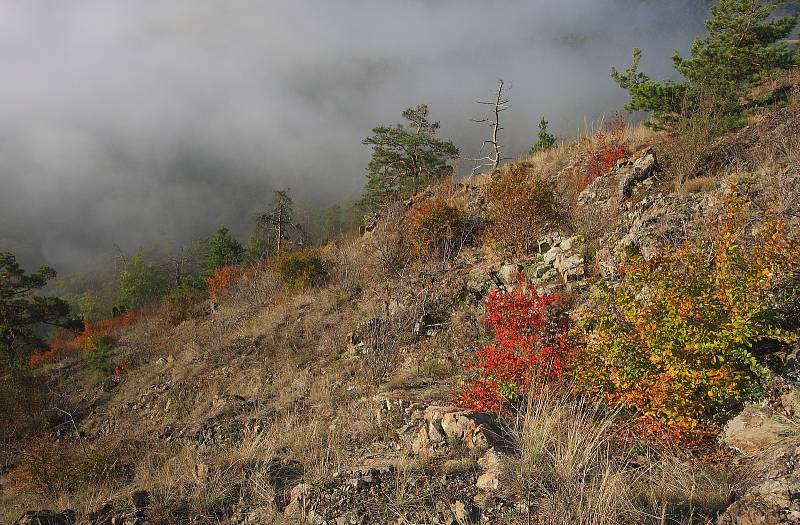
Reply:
x=339 y=404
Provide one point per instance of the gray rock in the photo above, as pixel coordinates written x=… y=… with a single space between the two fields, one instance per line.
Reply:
x=642 y=168
x=508 y=273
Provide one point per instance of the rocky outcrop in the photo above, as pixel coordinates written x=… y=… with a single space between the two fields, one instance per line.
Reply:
x=775 y=499
x=770 y=436
x=620 y=182
x=637 y=169
x=435 y=430
x=558 y=257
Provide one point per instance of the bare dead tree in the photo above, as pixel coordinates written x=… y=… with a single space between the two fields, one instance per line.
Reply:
x=177 y=263
x=493 y=157
x=120 y=258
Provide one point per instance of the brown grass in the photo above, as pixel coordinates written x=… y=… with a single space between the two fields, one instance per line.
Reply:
x=575 y=470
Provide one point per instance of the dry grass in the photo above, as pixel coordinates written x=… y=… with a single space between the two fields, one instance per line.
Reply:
x=575 y=470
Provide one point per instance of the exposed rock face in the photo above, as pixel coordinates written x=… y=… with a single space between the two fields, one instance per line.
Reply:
x=772 y=439
x=642 y=168
x=620 y=182
x=436 y=429
x=559 y=256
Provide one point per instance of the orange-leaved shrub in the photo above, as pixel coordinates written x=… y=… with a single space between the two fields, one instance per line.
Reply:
x=607 y=148
x=675 y=343
x=222 y=279
x=109 y=328
x=301 y=269
x=436 y=228
x=531 y=343
x=63 y=341
x=521 y=207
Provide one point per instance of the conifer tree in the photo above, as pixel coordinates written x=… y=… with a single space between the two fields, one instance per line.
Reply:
x=405 y=157
x=222 y=250
x=545 y=141
x=23 y=311
x=745 y=42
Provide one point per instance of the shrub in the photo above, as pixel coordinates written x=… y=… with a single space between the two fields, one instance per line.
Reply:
x=530 y=343
x=606 y=149
x=108 y=328
x=50 y=468
x=675 y=344
x=98 y=358
x=436 y=228
x=179 y=301
x=521 y=208
x=301 y=269
x=221 y=279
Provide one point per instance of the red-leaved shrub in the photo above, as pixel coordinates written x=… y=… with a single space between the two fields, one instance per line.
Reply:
x=606 y=149
x=530 y=344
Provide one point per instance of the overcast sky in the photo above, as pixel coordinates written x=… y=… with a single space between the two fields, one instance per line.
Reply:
x=138 y=121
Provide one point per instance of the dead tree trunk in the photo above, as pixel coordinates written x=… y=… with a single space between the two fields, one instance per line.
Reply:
x=495 y=156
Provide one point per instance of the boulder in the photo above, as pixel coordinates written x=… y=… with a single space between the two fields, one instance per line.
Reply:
x=770 y=436
x=759 y=428
x=508 y=273
x=437 y=429
x=489 y=480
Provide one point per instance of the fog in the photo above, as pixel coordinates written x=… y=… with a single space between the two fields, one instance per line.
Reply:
x=141 y=121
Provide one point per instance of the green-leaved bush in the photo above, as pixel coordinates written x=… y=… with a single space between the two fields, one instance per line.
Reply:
x=675 y=343
x=302 y=269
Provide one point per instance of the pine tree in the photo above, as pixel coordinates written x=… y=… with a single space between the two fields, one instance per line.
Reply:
x=222 y=250
x=405 y=157
x=745 y=42
x=23 y=311
x=546 y=139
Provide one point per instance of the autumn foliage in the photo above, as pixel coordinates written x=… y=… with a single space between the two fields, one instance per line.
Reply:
x=606 y=149
x=64 y=342
x=675 y=344
x=222 y=278
x=436 y=228
x=521 y=206
x=530 y=345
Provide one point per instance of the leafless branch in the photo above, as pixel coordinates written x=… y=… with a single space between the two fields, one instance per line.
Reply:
x=494 y=157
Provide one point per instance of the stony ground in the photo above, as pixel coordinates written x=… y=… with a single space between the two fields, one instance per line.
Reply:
x=278 y=407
